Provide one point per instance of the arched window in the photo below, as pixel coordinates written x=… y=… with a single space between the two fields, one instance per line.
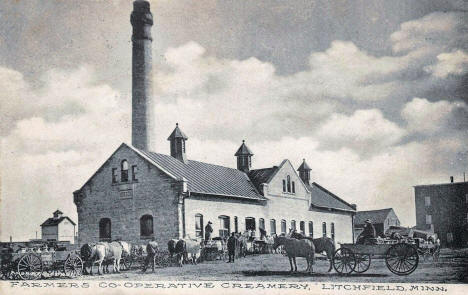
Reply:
x=272 y=227
x=146 y=226
x=124 y=171
x=293 y=225
x=199 y=225
x=249 y=223
x=105 y=230
x=293 y=187
x=224 y=226
x=289 y=183
x=283 y=226
x=302 y=227
x=324 y=229
x=284 y=185
x=311 y=229
x=332 y=230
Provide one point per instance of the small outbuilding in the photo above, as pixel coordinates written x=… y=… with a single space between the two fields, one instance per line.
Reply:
x=58 y=228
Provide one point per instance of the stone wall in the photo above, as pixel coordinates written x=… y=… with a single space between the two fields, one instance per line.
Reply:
x=152 y=193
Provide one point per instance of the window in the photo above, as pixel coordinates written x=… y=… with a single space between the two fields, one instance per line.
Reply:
x=288 y=183
x=428 y=219
x=283 y=226
x=261 y=223
x=466 y=198
x=236 y=224
x=114 y=175
x=427 y=201
x=199 y=226
x=249 y=223
x=311 y=229
x=134 y=172
x=272 y=227
x=105 y=230
x=332 y=230
x=293 y=187
x=302 y=227
x=449 y=238
x=284 y=185
x=293 y=225
x=224 y=226
x=146 y=226
x=324 y=229
x=124 y=171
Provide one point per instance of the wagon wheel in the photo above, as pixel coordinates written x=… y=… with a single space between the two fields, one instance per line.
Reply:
x=30 y=267
x=402 y=259
x=126 y=262
x=363 y=262
x=344 y=261
x=73 y=266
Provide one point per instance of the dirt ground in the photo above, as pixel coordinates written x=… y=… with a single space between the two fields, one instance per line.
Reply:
x=452 y=267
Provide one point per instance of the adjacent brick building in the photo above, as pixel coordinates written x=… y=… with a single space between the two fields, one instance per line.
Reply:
x=443 y=209
x=138 y=194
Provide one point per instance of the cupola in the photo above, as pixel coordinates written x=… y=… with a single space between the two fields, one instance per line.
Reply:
x=177 y=139
x=244 y=155
x=304 y=172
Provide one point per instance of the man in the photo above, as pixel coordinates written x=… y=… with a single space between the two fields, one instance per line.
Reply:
x=151 y=250
x=231 y=246
x=208 y=232
x=367 y=234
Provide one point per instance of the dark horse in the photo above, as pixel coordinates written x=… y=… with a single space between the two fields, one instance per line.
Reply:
x=323 y=244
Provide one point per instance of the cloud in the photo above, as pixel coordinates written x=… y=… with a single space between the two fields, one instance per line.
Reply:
x=454 y=63
x=363 y=131
x=434 y=31
x=428 y=117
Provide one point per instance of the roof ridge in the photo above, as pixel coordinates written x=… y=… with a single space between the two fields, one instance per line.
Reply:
x=384 y=209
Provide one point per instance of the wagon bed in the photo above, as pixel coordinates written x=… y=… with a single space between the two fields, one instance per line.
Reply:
x=400 y=258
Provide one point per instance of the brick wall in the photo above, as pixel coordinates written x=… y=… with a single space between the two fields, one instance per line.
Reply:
x=153 y=193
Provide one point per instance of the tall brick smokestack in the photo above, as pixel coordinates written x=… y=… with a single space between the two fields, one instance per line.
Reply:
x=143 y=118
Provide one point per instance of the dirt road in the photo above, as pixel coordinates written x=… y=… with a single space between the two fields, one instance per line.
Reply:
x=452 y=267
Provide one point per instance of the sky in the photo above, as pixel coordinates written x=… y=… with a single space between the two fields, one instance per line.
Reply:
x=372 y=93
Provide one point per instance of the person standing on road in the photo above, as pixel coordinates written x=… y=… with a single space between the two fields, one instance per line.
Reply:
x=231 y=246
x=151 y=250
x=208 y=232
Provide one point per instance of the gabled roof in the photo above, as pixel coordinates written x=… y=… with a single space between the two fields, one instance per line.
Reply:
x=376 y=216
x=206 y=178
x=304 y=166
x=243 y=150
x=54 y=221
x=323 y=198
x=177 y=133
x=259 y=176
x=58 y=212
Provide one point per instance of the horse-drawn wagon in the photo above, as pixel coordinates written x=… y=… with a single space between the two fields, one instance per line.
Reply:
x=215 y=249
x=33 y=266
x=400 y=258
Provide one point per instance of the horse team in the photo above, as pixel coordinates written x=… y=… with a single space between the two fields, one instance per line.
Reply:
x=189 y=250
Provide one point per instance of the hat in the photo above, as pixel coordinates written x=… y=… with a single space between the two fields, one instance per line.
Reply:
x=209 y=222
x=368 y=221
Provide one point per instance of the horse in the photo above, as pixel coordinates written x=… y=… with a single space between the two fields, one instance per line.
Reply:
x=171 y=246
x=184 y=247
x=322 y=244
x=104 y=251
x=297 y=248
